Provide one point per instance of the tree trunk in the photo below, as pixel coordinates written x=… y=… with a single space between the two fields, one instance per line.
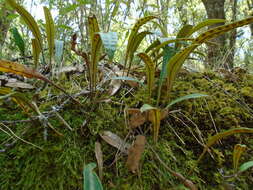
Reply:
x=232 y=39
x=215 y=10
x=250 y=7
x=4 y=24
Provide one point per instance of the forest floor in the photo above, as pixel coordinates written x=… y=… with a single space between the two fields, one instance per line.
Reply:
x=182 y=135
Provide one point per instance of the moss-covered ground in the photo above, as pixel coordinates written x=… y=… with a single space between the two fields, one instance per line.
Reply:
x=60 y=164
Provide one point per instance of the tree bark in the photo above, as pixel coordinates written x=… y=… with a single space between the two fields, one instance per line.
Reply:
x=215 y=10
x=4 y=23
x=250 y=7
x=232 y=39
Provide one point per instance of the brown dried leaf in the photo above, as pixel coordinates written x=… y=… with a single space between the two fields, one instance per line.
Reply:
x=115 y=141
x=99 y=157
x=137 y=119
x=135 y=152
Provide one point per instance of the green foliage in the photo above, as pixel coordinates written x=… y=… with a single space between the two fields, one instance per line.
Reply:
x=18 y=40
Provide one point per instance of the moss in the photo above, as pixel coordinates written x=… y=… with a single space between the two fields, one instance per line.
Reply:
x=60 y=165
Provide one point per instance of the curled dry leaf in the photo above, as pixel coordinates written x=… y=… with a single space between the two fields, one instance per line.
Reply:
x=115 y=141
x=135 y=152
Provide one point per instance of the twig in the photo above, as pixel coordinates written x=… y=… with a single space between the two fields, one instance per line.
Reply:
x=186 y=182
x=12 y=133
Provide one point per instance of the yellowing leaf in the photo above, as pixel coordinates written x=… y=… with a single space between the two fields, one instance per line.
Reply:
x=92 y=26
x=19 y=69
x=238 y=150
x=29 y=20
x=50 y=31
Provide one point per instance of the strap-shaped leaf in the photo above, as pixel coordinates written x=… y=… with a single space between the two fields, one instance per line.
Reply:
x=175 y=64
x=50 y=31
x=222 y=29
x=96 y=45
x=18 y=40
x=90 y=178
x=110 y=40
x=245 y=166
x=29 y=20
x=150 y=72
x=163 y=44
x=95 y=55
x=177 y=61
x=138 y=39
x=36 y=52
x=205 y=23
x=133 y=34
x=154 y=116
x=184 y=32
x=187 y=97
x=93 y=26
x=212 y=140
x=239 y=149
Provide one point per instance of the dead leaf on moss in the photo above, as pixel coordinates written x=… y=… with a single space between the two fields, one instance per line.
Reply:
x=135 y=152
x=99 y=157
x=115 y=141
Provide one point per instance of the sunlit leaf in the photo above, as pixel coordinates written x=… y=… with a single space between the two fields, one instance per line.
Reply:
x=90 y=178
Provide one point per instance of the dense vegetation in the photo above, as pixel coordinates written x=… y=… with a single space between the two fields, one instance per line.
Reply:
x=161 y=101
